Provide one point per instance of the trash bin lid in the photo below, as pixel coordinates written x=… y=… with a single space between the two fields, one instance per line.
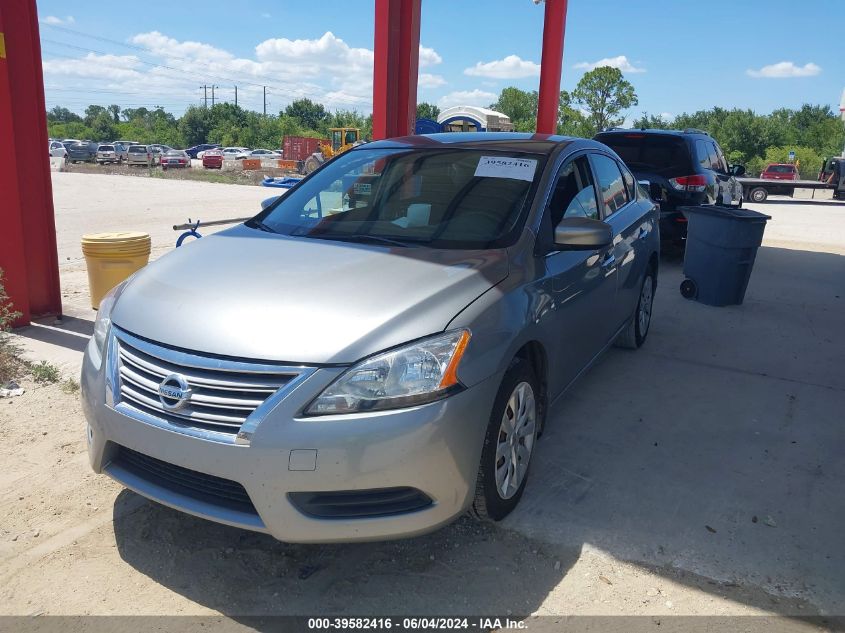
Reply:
x=728 y=213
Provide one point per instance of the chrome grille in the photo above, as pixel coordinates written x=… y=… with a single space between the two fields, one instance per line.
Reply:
x=224 y=394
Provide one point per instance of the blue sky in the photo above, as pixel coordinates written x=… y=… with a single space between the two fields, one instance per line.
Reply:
x=681 y=55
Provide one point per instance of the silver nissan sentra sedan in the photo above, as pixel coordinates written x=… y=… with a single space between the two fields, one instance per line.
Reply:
x=376 y=352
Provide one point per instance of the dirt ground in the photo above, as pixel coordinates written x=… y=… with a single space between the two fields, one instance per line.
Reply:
x=72 y=542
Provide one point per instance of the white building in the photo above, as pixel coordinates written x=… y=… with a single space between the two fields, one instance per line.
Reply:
x=474 y=119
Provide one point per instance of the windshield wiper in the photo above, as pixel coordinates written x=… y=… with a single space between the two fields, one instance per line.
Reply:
x=258 y=224
x=363 y=237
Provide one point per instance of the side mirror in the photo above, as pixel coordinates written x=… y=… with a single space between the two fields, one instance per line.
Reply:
x=582 y=233
x=266 y=203
x=738 y=170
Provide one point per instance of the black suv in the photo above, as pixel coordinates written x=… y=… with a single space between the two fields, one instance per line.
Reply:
x=683 y=168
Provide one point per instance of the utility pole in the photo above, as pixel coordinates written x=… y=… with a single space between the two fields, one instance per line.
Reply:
x=265 y=100
x=236 y=96
x=212 y=94
x=205 y=95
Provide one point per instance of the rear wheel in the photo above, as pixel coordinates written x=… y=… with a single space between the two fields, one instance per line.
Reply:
x=508 y=444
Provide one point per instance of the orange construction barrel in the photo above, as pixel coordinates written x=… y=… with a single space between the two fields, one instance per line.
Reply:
x=111 y=258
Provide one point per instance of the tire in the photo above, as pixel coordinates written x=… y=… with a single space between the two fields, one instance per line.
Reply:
x=758 y=194
x=635 y=334
x=501 y=442
x=311 y=164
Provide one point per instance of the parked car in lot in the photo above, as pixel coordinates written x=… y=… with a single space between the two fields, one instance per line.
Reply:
x=235 y=153
x=109 y=154
x=81 y=151
x=194 y=151
x=453 y=287
x=683 y=168
x=175 y=158
x=140 y=155
x=212 y=159
x=57 y=149
x=264 y=153
x=780 y=171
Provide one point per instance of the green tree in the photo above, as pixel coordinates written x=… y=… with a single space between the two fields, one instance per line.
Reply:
x=605 y=94
x=103 y=127
x=309 y=113
x=653 y=122
x=570 y=121
x=114 y=109
x=520 y=106
x=91 y=113
x=59 y=114
x=427 y=111
x=195 y=125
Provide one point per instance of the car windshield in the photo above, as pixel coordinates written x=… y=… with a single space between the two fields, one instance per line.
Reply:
x=105 y=148
x=780 y=169
x=440 y=198
x=175 y=152
x=138 y=149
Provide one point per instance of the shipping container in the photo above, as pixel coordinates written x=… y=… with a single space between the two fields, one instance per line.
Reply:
x=299 y=147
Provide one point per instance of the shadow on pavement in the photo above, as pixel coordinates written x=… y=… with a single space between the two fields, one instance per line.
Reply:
x=68 y=332
x=712 y=456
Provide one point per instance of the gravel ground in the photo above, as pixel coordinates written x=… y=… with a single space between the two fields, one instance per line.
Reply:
x=72 y=542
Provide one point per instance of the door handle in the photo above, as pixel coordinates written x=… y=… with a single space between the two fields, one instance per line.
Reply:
x=608 y=260
x=643 y=233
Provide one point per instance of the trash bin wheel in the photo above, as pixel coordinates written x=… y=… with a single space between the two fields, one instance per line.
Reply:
x=688 y=289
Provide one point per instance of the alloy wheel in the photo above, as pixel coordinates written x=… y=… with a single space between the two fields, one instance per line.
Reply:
x=646 y=300
x=517 y=433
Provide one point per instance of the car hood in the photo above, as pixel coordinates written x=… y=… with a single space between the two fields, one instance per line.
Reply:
x=250 y=294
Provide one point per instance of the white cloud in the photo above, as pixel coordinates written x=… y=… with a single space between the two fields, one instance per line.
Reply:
x=52 y=19
x=427 y=80
x=511 y=67
x=112 y=67
x=467 y=97
x=429 y=57
x=783 y=70
x=325 y=69
x=620 y=61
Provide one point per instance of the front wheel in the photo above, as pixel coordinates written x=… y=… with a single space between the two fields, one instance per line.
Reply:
x=758 y=194
x=633 y=336
x=508 y=444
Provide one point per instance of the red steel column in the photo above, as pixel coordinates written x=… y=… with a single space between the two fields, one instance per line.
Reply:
x=395 y=67
x=551 y=65
x=28 y=254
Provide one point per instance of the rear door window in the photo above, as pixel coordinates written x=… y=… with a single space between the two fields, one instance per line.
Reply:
x=716 y=158
x=611 y=186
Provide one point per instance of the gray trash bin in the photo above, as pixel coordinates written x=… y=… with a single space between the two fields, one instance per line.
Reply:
x=721 y=247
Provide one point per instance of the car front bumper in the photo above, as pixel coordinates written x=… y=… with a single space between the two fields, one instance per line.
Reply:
x=434 y=448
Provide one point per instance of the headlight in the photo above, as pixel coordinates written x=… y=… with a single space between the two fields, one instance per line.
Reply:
x=103 y=320
x=417 y=373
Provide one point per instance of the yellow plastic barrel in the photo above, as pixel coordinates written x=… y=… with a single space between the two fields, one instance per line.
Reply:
x=111 y=258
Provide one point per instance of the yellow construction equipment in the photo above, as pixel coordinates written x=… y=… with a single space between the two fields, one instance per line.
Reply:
x=340 y=140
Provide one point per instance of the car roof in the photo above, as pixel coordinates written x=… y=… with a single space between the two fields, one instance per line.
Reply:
x=498 y=141
x=657 y=131
x=780 y=165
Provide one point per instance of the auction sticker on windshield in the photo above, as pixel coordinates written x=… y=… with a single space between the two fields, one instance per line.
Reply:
x=505 y=167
